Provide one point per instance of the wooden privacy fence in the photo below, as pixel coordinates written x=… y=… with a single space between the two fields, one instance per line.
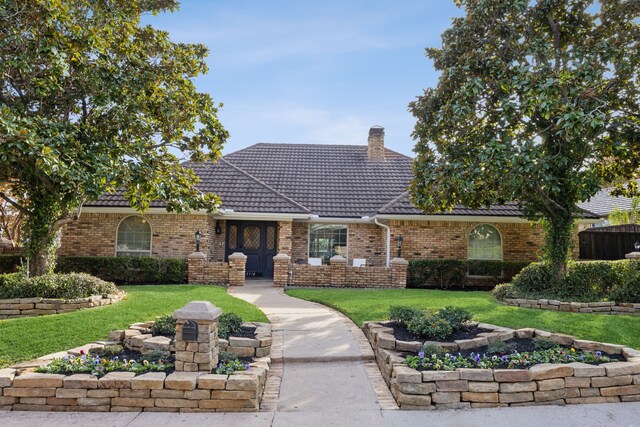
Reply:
x=612 y=242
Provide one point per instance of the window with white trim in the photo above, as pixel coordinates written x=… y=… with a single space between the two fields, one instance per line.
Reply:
x=327 y=240
x=134 y=237
x=485 y=243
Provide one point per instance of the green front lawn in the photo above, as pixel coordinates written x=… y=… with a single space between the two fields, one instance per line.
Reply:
x=363 y=305
x=28 y=338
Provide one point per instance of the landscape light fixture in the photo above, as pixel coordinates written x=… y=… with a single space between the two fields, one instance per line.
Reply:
x=637 y=246
x=198 y=238
x=399 y=240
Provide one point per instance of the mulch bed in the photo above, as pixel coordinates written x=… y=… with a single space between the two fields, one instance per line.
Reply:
x=403 y=334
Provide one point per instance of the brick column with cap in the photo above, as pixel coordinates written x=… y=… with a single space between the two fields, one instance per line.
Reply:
x=197 y=346
x=338 y=270
x=399 y=270
x=195 y=267
x=237 y=268
x=281 y=269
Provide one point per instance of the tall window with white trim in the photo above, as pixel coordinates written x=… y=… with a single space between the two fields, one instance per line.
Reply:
x=134 y=237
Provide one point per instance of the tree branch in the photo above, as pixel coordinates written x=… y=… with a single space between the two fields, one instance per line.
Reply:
x=556 y=38
x=13 y=203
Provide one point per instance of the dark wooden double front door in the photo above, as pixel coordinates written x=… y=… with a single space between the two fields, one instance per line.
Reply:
x=257 y=240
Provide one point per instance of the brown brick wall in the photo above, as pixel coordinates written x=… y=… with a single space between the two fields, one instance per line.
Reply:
x=448 y=239
x=172 y=235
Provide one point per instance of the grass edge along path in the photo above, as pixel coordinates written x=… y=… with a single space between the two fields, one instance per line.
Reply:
x=361 y=305
x=28 y=338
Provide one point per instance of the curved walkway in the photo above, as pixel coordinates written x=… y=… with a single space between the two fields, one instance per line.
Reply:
x=324 y=363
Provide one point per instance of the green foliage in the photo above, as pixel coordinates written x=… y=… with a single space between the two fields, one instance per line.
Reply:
x=99 y=367
x=505 y=291
x=154 y=356
x=66 y=286
x=230 y=364
x=585 y=281
x=9 y=263
x=108 y=351
x=446 y=273
x=544 y=344
x=455 y=316
x=628 y=290
x=127 y=270
x=536 y=103
x=92 y=102
x=403 y=314
x=430 y=327
x=620 y=217
x=499 y=348
x=164 y=325
x=228 y=324
x=432 y=349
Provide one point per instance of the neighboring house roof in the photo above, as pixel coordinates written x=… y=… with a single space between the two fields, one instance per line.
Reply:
x=603 y=203
x=337 y=181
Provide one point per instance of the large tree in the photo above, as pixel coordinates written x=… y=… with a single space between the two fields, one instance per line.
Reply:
x=537 y=102
x=92 y=101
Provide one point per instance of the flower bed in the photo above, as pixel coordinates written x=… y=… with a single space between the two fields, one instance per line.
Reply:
x=29 y=307
x=605 y=307
x=132 y=381
x=541 y=384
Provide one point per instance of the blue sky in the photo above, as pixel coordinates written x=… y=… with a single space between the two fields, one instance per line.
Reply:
x=313 y=72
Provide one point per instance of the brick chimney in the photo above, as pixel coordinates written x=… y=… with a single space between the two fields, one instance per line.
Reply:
x=376 y=143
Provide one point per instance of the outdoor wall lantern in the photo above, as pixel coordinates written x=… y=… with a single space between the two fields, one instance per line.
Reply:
x=637 y=246
x=399 y=240
x=198 y=239
x=218 y=229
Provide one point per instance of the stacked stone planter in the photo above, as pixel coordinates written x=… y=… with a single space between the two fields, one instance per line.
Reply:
x=30 y=307
x=544 y=384
x=260 y=346
x=123 y=391
x=608 y=307
x=191 y=388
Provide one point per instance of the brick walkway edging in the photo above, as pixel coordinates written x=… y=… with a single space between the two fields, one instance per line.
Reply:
x=604 y=307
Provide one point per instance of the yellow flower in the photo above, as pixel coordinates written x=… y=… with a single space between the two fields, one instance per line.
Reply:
x=573 y=350
x=146 y=362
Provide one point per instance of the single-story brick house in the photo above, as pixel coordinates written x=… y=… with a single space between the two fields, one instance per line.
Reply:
x=306 y=201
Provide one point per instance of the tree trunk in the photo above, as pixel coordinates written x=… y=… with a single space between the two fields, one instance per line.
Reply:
x=558 y=231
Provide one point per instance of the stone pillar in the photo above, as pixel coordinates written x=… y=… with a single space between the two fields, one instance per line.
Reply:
x=197 y=336
x=281 y=269
x=237 y=268
x=195 y=267
x=285 y=239
x=399 y=269
x=338 y=270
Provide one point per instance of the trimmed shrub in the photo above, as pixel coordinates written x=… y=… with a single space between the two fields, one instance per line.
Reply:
x=9 y=263
x=455 y=316
x=164 y=325
x=228 y=324
x=535 y=277
x=505 y=291
x=403 y=314
x=65 y=286
x=127 y=270
x=431 y=327
x=447 y=273
x=628 y=291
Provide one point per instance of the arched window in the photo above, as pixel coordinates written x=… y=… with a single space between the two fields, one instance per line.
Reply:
x=134 y=237
x=485 y=243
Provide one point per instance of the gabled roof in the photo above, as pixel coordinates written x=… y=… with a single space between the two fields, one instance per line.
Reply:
x=603 y=203
x=329 y=180
x=337 y=181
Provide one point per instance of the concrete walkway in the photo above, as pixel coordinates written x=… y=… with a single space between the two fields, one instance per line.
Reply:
x=323 y=375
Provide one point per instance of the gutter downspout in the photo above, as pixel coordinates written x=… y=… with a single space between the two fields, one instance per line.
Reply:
x=388 y=239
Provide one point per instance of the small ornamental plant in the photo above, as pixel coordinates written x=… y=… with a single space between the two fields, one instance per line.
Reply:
x=229 y=363
x=515 y=360
x=100 y=366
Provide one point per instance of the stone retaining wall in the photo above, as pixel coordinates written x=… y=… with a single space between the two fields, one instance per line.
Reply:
x=123 y=391
x=29 y=307
x=544 y=384
x=610 y=307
